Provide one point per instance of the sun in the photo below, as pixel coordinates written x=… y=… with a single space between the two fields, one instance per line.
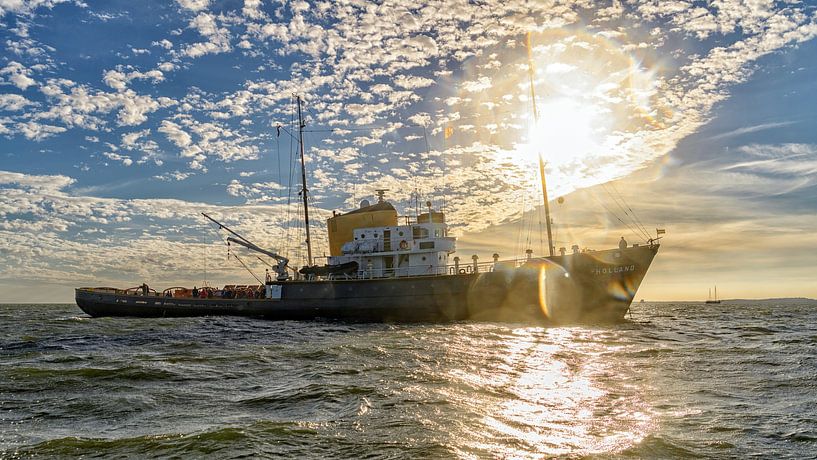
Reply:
x=566 y=133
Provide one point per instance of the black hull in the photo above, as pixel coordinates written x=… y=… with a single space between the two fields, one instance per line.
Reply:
x=587 y=287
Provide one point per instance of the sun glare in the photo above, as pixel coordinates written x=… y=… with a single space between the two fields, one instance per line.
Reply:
x=565 y=133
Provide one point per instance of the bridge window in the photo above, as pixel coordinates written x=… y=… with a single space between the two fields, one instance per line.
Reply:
x=419 y=232
x=427 y=245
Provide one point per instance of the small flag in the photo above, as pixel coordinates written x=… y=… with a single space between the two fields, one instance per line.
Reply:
x=660 y=231
x=449 y=131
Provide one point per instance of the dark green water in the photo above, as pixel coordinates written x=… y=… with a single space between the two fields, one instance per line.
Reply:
x=677 y=380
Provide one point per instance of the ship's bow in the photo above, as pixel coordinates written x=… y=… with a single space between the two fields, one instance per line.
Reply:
x=585 y=287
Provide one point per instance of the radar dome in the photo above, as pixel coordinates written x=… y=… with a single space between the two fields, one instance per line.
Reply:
x=364 y=204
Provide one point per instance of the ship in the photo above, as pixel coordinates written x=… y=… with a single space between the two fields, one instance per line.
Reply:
x=382 y=271
x=710 y=299
x=385 y=267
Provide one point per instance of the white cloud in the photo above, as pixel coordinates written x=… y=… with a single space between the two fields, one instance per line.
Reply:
x=173 y=176
x=13 y=102
x=412 y=81
x=37 y=131
x=194 y=5
x=252 y=9
x=175 y=134
x=218 y=38
x=18 y=75
x=27 y=7
x=475 y=86
x=164 y=43
x=119 y=80
x=127 y=161
x=559 y=68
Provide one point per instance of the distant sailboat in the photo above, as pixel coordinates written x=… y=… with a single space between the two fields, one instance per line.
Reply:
x=710 y=299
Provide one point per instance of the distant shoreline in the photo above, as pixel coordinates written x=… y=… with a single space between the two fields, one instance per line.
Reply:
x=771 y=299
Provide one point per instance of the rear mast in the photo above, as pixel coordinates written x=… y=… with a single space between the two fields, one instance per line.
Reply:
x=539 y=154
x=301 y=126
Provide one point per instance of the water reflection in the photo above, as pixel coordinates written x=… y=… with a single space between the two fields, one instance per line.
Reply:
x=551 y=391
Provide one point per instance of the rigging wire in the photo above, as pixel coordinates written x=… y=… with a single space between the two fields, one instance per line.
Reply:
x=211 y=227
x=288 y=225
x=518 y=244
x=363 y=128
x=616 y=216
x=632 y=212
x=640 y=229
x=247 y=268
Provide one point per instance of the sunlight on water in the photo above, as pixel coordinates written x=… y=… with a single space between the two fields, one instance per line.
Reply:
x=551 y=398
x=677 y=381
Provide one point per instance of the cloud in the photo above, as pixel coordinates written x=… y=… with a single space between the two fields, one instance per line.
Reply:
x=38 y=131
x=18 y=75
x=218 y=38
x=559 y=68
x=117 y=79
x=750 y=129
x=786 y=160
x=175 y=134
x=644 y=75
x=412 y=82
x=173 y=176
x=117 y=157
x=194 y=5
x=27 y=7
x=475 y=86
x=13 y=102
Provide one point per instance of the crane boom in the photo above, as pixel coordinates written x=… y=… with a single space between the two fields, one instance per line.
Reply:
x=280 y=269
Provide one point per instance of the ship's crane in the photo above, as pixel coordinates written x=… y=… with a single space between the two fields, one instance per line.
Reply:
x=280 y=269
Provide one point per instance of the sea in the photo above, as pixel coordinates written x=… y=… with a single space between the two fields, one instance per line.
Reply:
x=675 y=380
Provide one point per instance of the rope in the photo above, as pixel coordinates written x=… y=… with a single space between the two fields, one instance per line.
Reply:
x=643 y=232
x=247 y=268
x=616 y=216
x=637 y=220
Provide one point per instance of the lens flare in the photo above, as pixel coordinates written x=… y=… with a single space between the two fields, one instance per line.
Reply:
x=542 y=286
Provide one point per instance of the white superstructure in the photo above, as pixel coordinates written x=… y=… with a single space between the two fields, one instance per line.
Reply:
x=421 y=248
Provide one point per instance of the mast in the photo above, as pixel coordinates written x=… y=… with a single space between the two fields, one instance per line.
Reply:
x=716 y=292
x=301 y=126
x=541 y=160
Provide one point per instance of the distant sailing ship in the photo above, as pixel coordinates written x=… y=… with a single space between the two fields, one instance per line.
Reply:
x=380 y=269
x=711 y=299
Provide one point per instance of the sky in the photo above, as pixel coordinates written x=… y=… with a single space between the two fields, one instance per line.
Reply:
x=120 y=122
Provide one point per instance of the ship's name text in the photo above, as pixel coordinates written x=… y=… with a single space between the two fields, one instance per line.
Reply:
x=609 y=270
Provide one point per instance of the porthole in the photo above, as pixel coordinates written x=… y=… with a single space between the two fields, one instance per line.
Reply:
x=401 y=233
x=363 y=235
x=424 y=258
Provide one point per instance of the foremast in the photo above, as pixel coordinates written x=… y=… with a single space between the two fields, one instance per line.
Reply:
x=539 y=154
